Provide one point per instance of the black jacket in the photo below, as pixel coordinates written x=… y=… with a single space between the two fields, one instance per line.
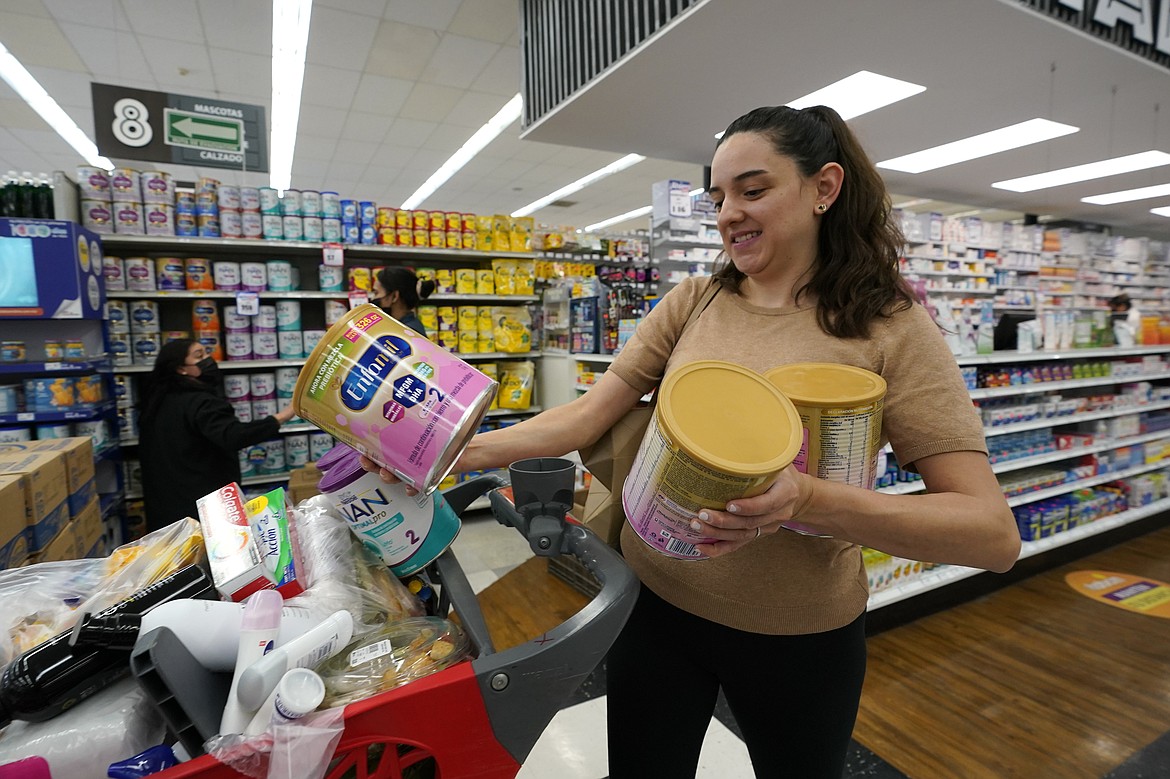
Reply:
x=189 y=448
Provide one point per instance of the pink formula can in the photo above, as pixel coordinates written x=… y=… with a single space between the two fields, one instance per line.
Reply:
x=390 y=393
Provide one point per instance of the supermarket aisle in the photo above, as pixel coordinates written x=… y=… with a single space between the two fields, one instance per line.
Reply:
x=1032 y=681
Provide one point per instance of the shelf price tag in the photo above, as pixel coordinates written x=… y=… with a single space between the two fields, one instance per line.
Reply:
x=248 y=303
x=358 y=298
x=26 y=416
x=332 y=254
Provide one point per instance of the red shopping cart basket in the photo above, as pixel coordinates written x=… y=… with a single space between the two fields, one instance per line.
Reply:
x=481 y=718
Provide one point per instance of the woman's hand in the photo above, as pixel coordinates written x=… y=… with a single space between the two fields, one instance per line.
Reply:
x=747 y=519
x=385 y=475
x=285 y=414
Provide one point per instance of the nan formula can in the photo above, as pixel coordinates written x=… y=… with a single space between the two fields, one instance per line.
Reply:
x=719 y=432
x=387 y=391
x=840 y=409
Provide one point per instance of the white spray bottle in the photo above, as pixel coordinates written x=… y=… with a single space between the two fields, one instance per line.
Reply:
x=258 y=630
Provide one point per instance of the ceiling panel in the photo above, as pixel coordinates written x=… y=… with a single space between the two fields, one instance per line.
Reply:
x=401 y=50
x=237 y=26
x=381 y=95
x=340 y=39
x=329 y=87
x=37 y=40
x=436 y=14
x=108 y=54
x=457 y=60
x=430 y=102
x=176 y=22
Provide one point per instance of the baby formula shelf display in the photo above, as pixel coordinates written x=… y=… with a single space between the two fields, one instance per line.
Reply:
x=1080 y=442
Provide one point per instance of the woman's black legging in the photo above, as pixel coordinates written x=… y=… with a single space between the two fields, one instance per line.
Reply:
x=794 y=698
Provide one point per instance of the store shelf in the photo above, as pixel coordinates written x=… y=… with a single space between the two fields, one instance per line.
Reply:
x=964 y=274
x=1071 y=419
x=596 y=358
x=483 y=298
x=148 y=243
x=511 y=412
x=180 y=294
x=1112 y=352
x=1019 y=463
x=1080 y=484
x=85 y=366
x=950 y=574
x=478 y=356
x=248 y=481
x=49 y=417
x=1049 y=386
x=233 y=365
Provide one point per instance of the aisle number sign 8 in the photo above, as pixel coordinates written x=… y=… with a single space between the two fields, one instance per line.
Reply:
x=140 y=124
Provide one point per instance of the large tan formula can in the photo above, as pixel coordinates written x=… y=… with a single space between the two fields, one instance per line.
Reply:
x=719 y=432
x=840 y=408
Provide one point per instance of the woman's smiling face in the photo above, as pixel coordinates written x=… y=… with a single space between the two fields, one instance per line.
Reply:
x=767 y=209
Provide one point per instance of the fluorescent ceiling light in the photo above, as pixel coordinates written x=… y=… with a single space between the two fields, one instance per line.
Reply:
x=859 y=94
x=619 y=218
x=1087 y=172
x=982 y=145
x=473 y=146
x=25 y=85
x=290 y=43
x=581 y=183
x=1128 y=195
x=1163 y=211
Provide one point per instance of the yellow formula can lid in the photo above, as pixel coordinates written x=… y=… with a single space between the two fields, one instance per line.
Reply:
x=826 y=384
x=729 y=418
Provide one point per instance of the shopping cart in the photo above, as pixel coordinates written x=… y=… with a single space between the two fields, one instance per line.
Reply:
x=481 y=718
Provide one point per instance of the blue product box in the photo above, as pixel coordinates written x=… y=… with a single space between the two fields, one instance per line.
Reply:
x=52 y=269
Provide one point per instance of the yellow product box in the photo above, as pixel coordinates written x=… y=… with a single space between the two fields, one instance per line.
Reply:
x=45 y=492
x=521 y=234
x=421 y=237
x=502 y=233
x=454 y=239
x=485 y=282
x=449 y=339
x=468 y=341
x=512 y=329
x=403 y=218
x=14 y=531
x=516 y=384
x=484 y=320
x=467 y=239
x=468 y=318
x=429 y=316
x=465 y=281
x=467 y=222
x=403 y=236
x=492 y=371
x=505 y=271
x=483 y=240
x=484 y=223
x=485 y=344
x=444 y=281
x=437 y=220
x=525 y=276
x=438 y=239
x=420 y=220
x=77 y=452
x=89 y=532
x=453 y=221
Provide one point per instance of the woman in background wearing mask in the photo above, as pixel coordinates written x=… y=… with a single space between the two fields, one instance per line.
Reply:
x=189 y=436
x=397 y=291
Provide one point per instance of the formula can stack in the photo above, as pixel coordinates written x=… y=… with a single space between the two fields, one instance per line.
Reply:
x=271 y=222
x=237 y=335
x=207 y=208
x=230 y=222
x=186 y=223
x=95 y=205
x=158 y=202
x=205 y=327
x=331 y=217
x=145 y=337
x=292 y=223
x=126 y=194
x=251 y=219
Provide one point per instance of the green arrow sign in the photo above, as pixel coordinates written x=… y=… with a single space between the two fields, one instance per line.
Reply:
x=199 y=131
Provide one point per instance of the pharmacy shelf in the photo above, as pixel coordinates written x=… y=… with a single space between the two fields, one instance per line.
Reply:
x=1080 y=484
x=957 y=291
x=949 y=574
x=159 y=243
x=480 y=356
x=1050 y=386
x=1070 y=419
x=1112 y=352
x=596 y=358
x=964 y=274
x=1019 y=463
x=466 y=298
x=272 y=478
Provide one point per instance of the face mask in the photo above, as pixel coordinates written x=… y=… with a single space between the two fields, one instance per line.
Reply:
x=208 y=371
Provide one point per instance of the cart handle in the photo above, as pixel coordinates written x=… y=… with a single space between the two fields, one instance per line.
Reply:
x=525 y=686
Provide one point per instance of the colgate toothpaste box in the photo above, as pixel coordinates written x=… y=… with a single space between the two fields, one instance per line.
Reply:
x=233 y=554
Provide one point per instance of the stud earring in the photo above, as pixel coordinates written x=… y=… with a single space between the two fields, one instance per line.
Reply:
x=822 y=207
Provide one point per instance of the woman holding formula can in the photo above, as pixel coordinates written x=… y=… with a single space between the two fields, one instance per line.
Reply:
x=776 y=618
x=397 y=291
x=189 y=435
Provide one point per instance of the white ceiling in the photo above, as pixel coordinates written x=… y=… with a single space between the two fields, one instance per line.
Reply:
x=393 y=87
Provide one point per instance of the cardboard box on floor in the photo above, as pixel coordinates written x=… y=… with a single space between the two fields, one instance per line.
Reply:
x=14 y=530
x=60 y=548
x=45 y=491
x=302 y=483
x=77 y=452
